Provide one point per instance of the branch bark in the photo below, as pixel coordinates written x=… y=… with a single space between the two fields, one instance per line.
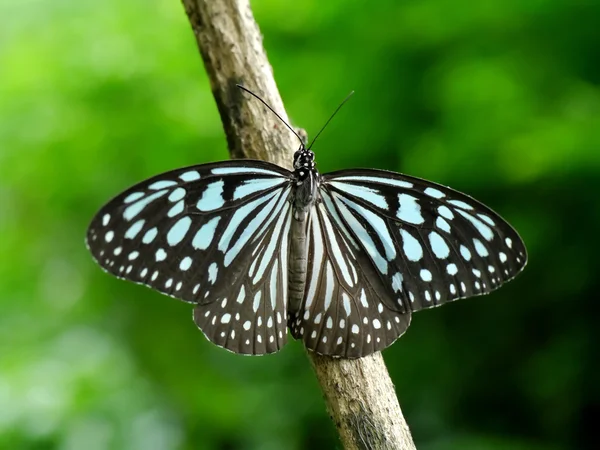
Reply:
x=359 y=394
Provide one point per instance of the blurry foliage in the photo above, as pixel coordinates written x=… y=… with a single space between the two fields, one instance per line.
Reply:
x=500 y=99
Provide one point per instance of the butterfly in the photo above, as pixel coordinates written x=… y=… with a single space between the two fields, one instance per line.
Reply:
x=341 y=259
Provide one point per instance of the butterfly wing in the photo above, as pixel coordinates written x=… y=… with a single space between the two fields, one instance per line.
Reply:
x=429 y=244
x=214 y=235
x=249 y=315
x=346 y=311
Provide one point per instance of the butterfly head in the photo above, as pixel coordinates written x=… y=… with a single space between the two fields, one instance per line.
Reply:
x=304 y=162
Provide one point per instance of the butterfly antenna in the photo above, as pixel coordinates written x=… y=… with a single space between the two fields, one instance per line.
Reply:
x=332 y=116
x=272 y=110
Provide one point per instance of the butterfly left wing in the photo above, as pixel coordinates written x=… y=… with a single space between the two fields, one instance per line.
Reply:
x=346 y=311
x=214 y=235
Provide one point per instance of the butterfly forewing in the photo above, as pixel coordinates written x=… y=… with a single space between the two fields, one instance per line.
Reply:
x=346 y=311
x=193 y=234
x=432 y=244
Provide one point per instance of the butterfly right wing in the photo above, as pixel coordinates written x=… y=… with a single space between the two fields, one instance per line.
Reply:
x=346 y=311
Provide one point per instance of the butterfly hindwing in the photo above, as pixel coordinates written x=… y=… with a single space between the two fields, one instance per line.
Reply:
x=346 y=311
x=248 y=314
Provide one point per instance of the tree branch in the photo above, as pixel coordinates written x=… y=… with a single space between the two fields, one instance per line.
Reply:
x=359 y=393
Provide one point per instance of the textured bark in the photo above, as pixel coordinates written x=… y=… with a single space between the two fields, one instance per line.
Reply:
x=359 y=393
x=231 y=46
x=361 y=400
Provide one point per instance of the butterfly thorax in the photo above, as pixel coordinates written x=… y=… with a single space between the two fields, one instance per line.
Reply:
x=306 y=182
x=305 y=192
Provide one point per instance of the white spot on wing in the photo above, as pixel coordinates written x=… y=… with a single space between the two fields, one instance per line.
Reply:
x=451 y=269
x=465 y=253
x=133 y=197
x=212 y=197
x=273 y=284
x=178 y=231
x=411 y=247
x=435 y=193
x=226 y=318
x=328 y=286
x=486 y=219
x=460 y=204
x=397 y=282
x=438 y=245
x=176 y=209
x=162 y=184
x=205 y=234
x=149 y=235
x=256 y=302
x=441 y=223
x=134 y=229
x=480 y=248
x=363 y=299
x=212 y=273
x=177 y=194
x=409 y=210
x=161 y=255
x=346 y=303
x=191 y=175
x=185 y=263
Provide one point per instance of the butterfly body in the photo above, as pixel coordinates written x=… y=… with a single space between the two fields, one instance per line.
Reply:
x=342 y=259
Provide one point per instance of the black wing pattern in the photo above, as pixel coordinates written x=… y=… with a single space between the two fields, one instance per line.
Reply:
x=347 y=311
x=215 y=235
x=428 y=243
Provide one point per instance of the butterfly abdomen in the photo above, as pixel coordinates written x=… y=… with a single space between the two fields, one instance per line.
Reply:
x=303 y=197
x=297 y=265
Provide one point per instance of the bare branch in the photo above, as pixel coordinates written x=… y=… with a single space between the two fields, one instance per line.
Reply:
x=231 y=47
x=361 y=400
x=359 y=393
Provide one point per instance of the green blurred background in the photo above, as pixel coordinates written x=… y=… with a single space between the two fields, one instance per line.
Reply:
x=499 y=99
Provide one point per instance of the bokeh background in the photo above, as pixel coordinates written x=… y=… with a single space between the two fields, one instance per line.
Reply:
x=499 y=99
